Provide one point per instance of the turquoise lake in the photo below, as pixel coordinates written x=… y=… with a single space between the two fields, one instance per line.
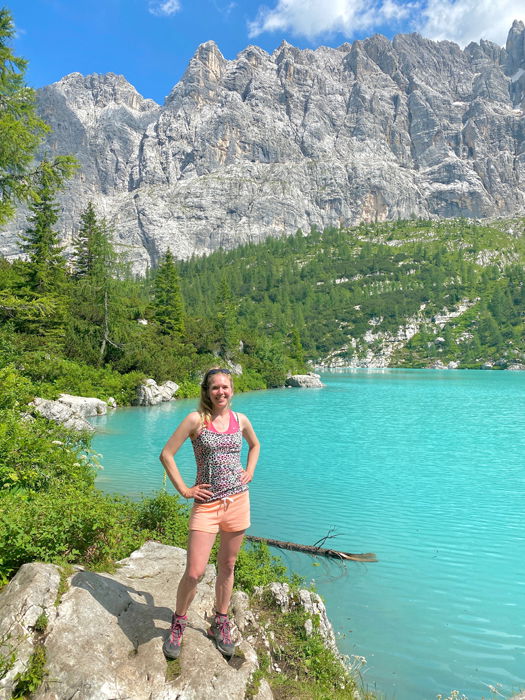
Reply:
x=426 y=468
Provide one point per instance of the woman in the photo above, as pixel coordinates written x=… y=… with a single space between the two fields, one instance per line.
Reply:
x=221 y=501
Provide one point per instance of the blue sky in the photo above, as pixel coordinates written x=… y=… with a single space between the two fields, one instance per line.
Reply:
x=150 y=42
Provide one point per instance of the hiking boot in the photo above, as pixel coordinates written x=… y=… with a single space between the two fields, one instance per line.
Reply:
x=172 y=643
x=220 y=631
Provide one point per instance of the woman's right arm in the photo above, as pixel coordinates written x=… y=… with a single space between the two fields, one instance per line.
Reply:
x=189 y=426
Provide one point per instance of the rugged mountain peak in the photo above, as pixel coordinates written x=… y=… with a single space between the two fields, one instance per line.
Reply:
x=266 y=144
x=201 y=78
x=253 y=55
x=102 y=90
x=516 y=47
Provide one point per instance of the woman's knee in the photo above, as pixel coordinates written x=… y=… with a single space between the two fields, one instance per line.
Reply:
x=226 y=566
x=194 y=575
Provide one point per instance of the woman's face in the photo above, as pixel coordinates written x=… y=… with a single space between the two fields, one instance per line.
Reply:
x=220 y=390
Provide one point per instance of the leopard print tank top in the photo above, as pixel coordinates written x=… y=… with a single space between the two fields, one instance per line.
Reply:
x=218 y=457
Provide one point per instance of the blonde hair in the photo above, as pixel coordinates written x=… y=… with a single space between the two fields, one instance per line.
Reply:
x=205 y=405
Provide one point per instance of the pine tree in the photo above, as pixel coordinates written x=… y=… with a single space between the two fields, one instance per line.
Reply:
x=98 y=303
x=167 y=301
x=85 y=242
x=296 y=350
x=46 y=265
x=226 y=319
x=21 y=131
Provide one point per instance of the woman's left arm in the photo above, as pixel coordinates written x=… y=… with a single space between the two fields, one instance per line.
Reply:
x=254 y=448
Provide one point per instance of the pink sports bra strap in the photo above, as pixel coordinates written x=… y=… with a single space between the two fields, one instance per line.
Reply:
x=233 y=425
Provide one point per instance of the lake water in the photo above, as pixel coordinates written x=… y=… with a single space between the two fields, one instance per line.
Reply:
x=425 y=468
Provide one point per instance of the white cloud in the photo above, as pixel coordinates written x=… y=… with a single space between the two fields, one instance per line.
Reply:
x=226 y=9
x=314 y=18
x=463 y=21
x=163 y=8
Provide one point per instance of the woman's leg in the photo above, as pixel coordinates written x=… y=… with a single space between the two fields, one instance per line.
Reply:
x=226 y=558
x=199 y=548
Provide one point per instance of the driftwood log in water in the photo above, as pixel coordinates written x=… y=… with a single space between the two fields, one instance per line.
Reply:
x=312 y=549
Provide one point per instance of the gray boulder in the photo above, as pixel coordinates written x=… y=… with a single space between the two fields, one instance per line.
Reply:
x=150 y=393
x=104 y=639
x=29 y=595
x=304 y=381
x=61 y=413
x=85 y=405
x=104 y=633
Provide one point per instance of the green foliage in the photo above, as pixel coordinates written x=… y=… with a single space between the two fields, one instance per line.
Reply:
x=256 y=566
x=98 y=318
x=7 y=653
x=38 y=454
x=41 y=623
x=54 y=375
x=188 y=390
x=21 y=131
x=66 y=571
x=66 y=523
x=15 y=390
x=319 y=295
x=30 y=680
x=46 y=266
x=249 y=380
x=309 y=670
x=166 y=516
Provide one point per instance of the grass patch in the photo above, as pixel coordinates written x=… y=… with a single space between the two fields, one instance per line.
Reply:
x=41 y=622
x=7 y=658
x=299 y=666
x=173 y=669
x=30 y=680
x=63 y=585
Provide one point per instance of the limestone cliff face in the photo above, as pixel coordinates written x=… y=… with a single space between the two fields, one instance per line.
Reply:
x=266 y=144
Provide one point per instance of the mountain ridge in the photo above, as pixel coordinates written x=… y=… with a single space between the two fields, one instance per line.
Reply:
x=265 y=144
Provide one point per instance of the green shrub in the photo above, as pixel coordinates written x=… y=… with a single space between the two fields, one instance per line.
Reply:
x=188 y=390
x=36 y=454
x=53 y=375
x=308 y=669
x=166 y=517
x=257 y=566
x=249 y=380
x=15 y=390
x=66 y=524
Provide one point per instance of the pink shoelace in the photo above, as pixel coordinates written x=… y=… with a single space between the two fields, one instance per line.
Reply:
x=223 y=625
x=178 y=626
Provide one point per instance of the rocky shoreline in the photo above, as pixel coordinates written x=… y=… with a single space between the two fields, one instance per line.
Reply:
x=101 y=634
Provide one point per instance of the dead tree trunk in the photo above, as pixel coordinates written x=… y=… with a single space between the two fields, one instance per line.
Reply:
x=311 y=549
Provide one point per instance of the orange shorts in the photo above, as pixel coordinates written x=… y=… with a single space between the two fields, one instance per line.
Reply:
x=227 y=514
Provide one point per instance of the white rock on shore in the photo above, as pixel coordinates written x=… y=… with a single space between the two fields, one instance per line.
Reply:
x=304 y=381
x=61 y=413
x=149 y=393
x=85 y=405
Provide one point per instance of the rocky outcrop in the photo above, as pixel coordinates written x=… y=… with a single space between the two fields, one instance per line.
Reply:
x=304 y=381
x=102 y=633
x=377 y=348
x=269 y=143
x=61 y=413
x=149 y=393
